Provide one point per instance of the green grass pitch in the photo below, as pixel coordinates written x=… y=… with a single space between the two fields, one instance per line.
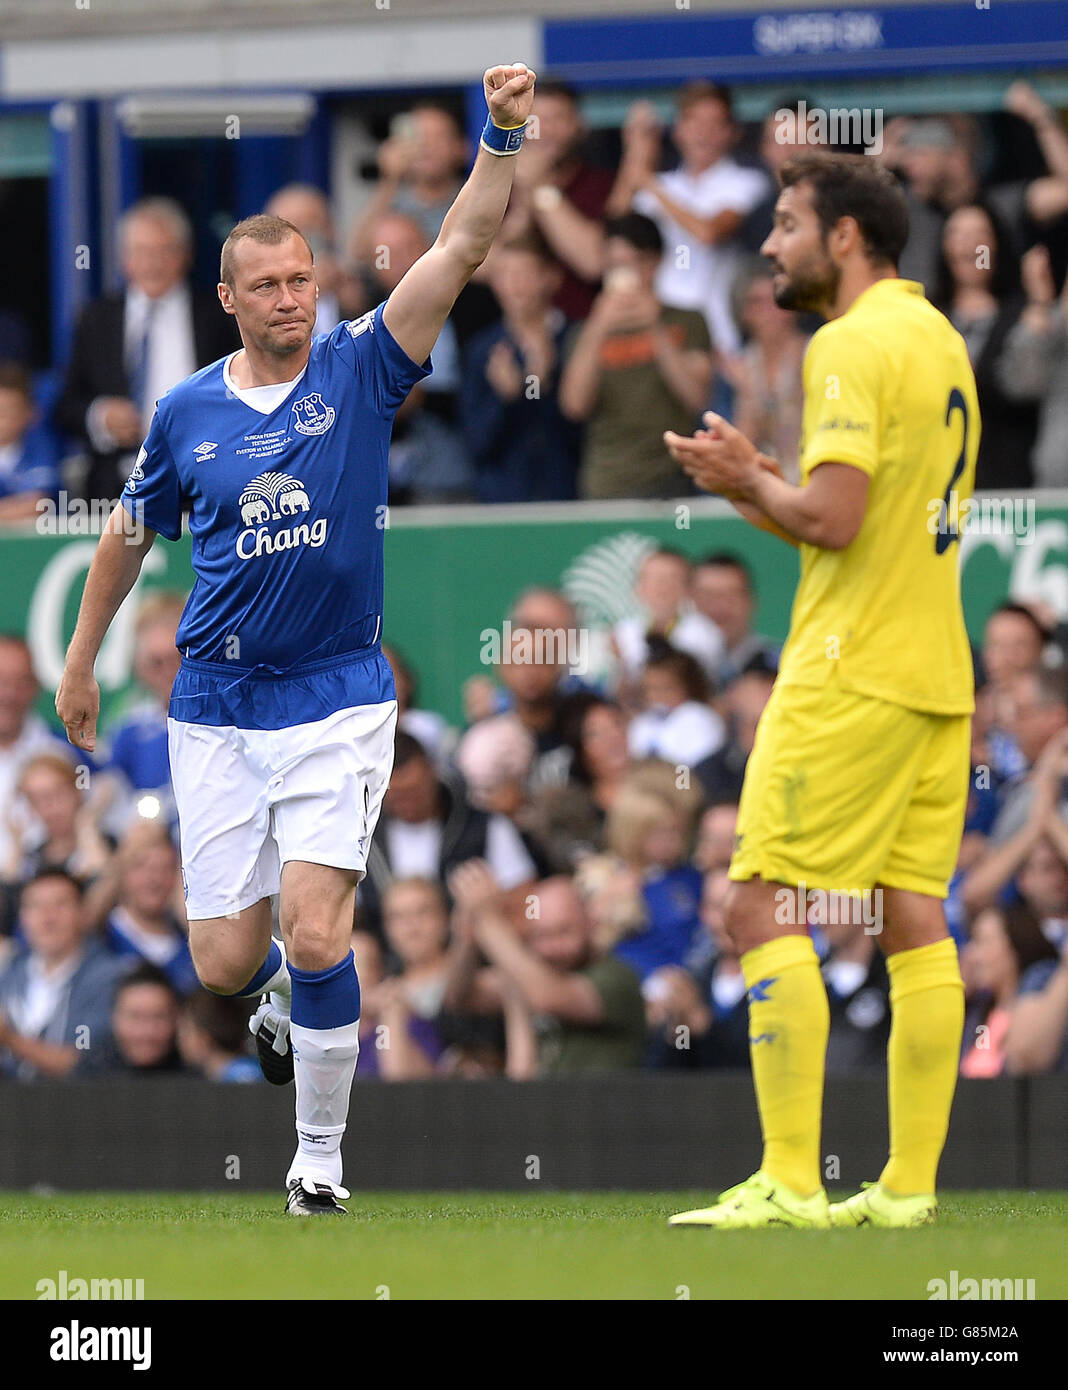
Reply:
x=511 y=1245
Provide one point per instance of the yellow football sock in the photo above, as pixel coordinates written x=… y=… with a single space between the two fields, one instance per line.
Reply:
x=788 y=1024
x=927 y=1003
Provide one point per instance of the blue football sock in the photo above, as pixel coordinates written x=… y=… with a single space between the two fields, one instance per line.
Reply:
x=324 y=1036
x=271 y=976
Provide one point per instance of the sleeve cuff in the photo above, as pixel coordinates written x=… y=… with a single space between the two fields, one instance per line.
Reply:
x=866 y=465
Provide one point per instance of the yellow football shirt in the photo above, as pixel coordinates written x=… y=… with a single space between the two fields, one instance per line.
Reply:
x=889 y=389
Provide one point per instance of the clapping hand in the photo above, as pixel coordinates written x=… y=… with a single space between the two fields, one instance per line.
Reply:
x=642 y=140
x=474 y=888
x=718 y=458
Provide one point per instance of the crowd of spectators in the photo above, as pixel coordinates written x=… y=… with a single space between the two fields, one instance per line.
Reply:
x=623 y=297
x=545 y=890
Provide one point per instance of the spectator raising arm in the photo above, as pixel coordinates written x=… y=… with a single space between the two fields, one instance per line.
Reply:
x=1047 y=198
x=708 y=231
x=575 y=239
x=687 y=374
x=542 y=988
x=622 y=308
x=1036 y=339
x=997 y=868
x=1038 y=1027
x=521 y=1042
x=642 y=139
x=983 y=884
x=394 y=162
x=469 y=986
x=417 y=309
x=1057 y=832
x=581 y=378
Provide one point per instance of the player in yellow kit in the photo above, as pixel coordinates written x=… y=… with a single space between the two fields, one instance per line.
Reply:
x=858 y=779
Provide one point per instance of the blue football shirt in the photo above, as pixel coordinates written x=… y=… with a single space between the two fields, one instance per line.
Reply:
x=287 y=514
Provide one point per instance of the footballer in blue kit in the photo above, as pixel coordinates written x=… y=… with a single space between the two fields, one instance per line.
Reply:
x=282 y=716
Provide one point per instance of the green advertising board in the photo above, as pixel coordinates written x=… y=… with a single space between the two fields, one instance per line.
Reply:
x=451 y=574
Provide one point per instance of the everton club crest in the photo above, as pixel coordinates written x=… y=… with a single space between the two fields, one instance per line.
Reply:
x=312 y=417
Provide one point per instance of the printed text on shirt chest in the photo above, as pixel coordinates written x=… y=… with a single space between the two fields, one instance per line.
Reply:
x=264 y=444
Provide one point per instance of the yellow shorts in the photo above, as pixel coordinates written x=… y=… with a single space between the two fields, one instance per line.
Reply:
x=843 y=792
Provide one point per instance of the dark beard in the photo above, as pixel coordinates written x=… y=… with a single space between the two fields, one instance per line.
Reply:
x=810 y=293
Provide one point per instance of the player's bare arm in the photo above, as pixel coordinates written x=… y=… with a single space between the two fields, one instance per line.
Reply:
x=417 y=309
x=113 y=573
x=756 y=518
x=828 y=511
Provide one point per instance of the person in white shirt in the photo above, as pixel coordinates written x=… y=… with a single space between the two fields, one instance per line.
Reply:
x=676 y=724
x=427 y=827
x=56 y=992
x=662 y=592
x=699 y=207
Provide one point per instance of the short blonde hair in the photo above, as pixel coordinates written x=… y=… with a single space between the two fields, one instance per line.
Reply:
x=635 y=813
x=263 y=229
x=663 y=779
x=53 y=762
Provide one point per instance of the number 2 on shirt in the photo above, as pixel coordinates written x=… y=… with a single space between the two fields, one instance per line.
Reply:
x=945 y=538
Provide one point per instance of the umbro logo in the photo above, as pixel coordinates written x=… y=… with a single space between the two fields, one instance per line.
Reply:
x=204 y=452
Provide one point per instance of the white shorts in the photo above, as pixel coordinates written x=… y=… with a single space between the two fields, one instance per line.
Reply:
x=250 y=800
